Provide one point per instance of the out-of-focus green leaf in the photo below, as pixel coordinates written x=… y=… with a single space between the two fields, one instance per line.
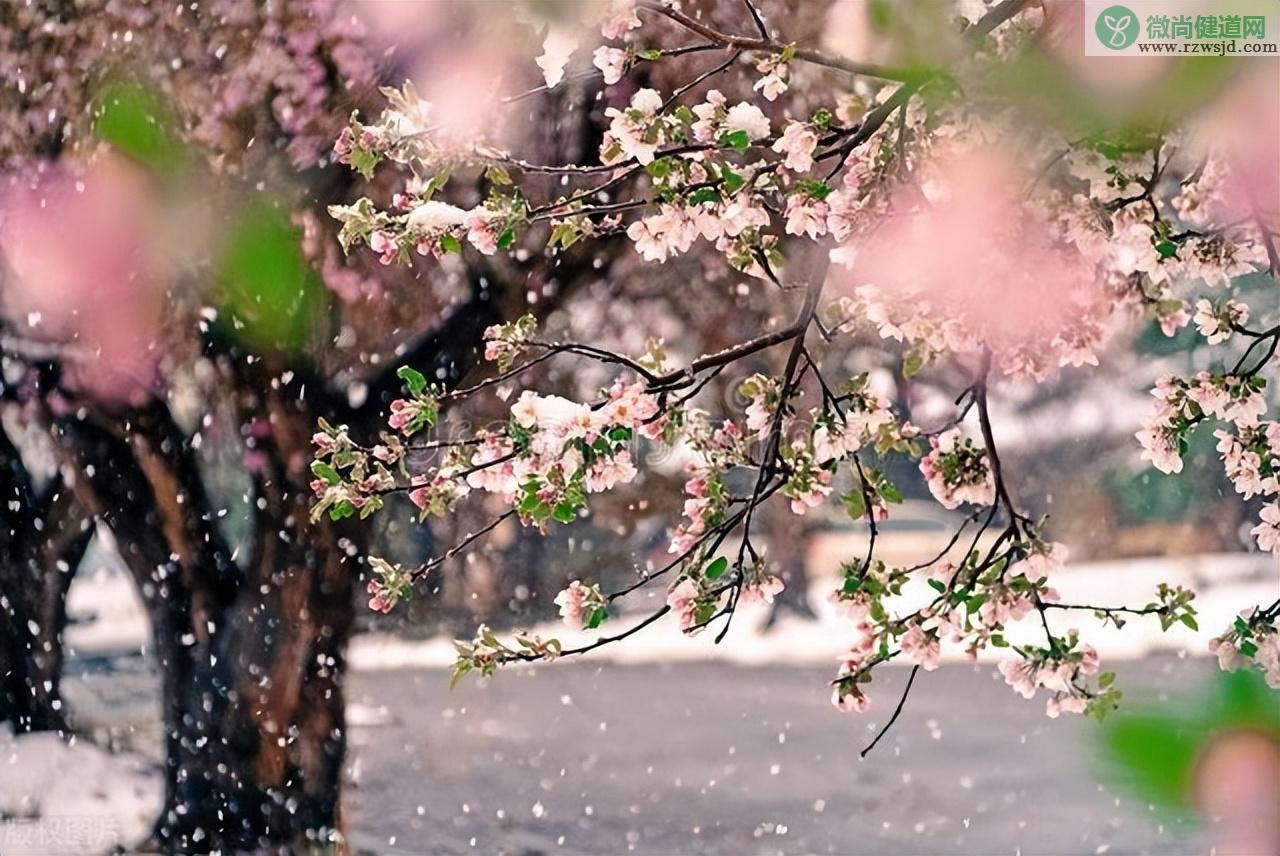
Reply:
x=1154 y=751
x=269 y=298
x=137 y=123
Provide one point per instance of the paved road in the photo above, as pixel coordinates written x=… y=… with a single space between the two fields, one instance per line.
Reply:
x=715 y=759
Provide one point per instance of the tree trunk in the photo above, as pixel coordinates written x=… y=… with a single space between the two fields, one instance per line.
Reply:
x=42 y=539
x=252 y=660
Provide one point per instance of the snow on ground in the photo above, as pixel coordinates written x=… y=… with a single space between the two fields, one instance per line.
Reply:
x=59 y=797
x=1224 y=583
x=72 y=798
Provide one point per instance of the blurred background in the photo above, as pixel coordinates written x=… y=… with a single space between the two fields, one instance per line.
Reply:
x=177 y=314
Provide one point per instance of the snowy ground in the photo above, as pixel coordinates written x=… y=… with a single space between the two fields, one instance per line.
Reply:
x=651 y=746
x=713 y=758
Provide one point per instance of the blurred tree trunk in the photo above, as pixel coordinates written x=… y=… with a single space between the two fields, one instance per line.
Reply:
x=42 y=538
x=250 y=660
x=787 y=539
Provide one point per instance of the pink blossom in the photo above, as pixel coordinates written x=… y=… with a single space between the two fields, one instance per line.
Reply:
x=850 y=700
x=1021 y=675
x=814 y=495
x=683 y=599
x=572 y=602
x=747 y=117
x=619 y=18
x=607 y=472
x=806 y=216
x=1267 y=533
x=762 y=591
x=482 y=231
x=774 y=81
x=403 y=412
x=611 y=62
x=1004 y=606
x=384 y=243
x=957 y=471
x=921 y=648
x=797 y=142
x=669 y=231
x=1065 y=703
x=383 y=599
x=1038 y=565
x=740 y=214
x=637 y=132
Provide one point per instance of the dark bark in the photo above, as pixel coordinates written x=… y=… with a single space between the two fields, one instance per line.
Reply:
x=42 y=538
x=251 y=661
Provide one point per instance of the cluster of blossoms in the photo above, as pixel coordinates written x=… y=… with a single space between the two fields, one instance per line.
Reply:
x=1063 y=672
x=637 y=131
x=222 y=61
x=417 y=222
x=972 y=607
x=698 y=596
x=389 y=586
x=486 y=652
x=945 y=248
x=1254 y=639
x=712 y=452
x=1217 y=323
x=505 y=343
x=564 y=450
x=957 y=471
x=582 y=606
x=350 y=479
x=775 y=72
x=427 y=227
x=1182 y=403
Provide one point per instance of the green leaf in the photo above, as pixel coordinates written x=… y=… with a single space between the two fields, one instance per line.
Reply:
x=912 y=362
x=364 y=162
x=651 y=54
x=415 y=380
x=716 y=569
x=938 y=586
x=877 y=611
x=702 y=195
x=659 y=168
x=855 y=504
x=450 y=244
x=1189 y=621
x=326 y=472
x=565 y=513
x=597 y=617
x=507 y=238
x=738 y=140
x=459 y=671
x=732 y=181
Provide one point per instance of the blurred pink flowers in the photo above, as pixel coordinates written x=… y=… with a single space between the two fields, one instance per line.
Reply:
x=963 y=261
x=82 y=273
